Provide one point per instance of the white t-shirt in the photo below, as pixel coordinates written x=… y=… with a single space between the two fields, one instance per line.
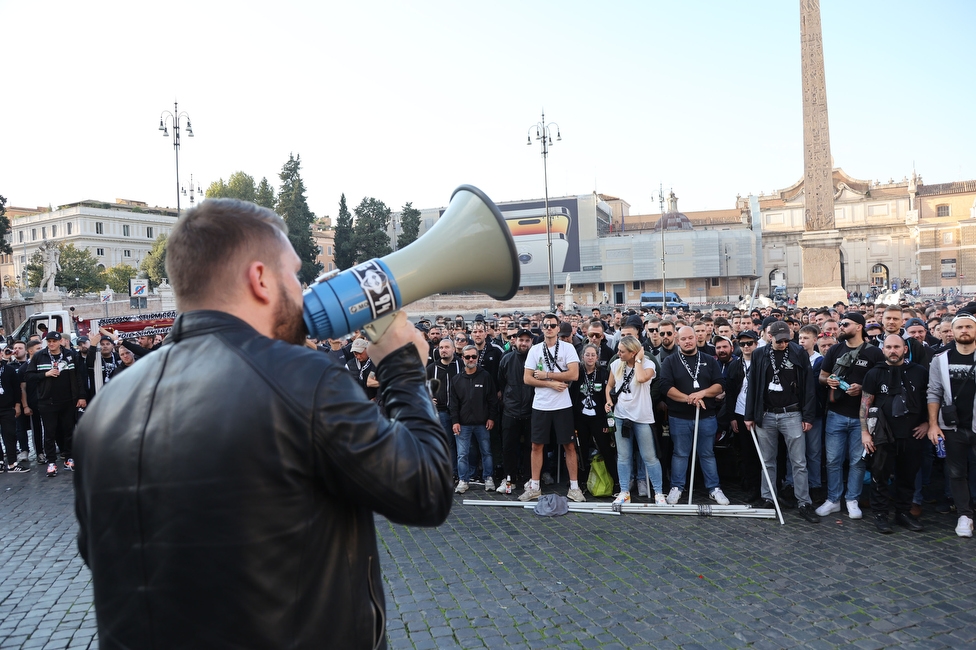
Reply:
x=550 y=399
x=636 y=405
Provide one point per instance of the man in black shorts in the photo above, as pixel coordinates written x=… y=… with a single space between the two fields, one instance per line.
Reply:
x=550 y=367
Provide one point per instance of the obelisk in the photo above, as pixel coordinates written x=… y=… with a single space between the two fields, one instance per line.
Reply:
x=820 y=240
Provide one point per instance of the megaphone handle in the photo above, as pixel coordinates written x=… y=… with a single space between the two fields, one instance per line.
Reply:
x=375 y=330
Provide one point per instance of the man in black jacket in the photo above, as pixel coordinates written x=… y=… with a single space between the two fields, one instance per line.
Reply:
x=279 y=533
x=781 y=400
x=516 y=412
x=9 y=412
x=61 y=389
x=443 y=370
x=474 y=408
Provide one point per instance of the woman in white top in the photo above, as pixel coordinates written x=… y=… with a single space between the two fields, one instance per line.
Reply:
x=629 y=396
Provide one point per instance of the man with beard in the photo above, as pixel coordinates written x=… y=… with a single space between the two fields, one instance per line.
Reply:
x=724 y=355
x=690 y=381
x=952 y=412
x=898 y=389
x=434 y=335
x=893 y=322
x=28 y=405
x=17 y=361
x=849 y=361
x=596 y=336
x=516 y=402
x=668 y=347
x=110 y=361
x=781 y=400
x=281 y=530
x=736 y=390
x=474 y=408
x=443 y=370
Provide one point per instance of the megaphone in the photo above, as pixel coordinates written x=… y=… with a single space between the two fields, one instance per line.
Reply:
x=470 y=248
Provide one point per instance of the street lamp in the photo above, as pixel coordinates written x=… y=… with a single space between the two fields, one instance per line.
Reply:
x=174 y=118
x=193 y=192
x=727 y=298
x=543 y=135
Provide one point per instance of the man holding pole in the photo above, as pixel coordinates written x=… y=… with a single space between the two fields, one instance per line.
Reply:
x=690 y=382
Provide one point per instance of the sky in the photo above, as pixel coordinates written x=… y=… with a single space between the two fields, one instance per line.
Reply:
x=406 y=101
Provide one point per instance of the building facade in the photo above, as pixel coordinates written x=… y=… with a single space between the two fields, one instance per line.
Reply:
x=116 y=233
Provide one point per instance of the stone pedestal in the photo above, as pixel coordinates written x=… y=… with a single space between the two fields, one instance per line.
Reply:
x=48 y=301
x=821 y=269
x=167 y=296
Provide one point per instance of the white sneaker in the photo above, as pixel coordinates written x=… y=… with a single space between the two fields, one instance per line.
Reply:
x=828 y=508
x=576 y=495
x=719 y=497
x=622 y=498
x=462 y=487
x=489 y=484
x=505 y=487
x=853 y=509
x=660 y=499
x=673 y=496
x=530 y=494
x=965 y=527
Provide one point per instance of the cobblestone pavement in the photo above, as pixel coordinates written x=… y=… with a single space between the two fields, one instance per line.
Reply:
x=506 y=578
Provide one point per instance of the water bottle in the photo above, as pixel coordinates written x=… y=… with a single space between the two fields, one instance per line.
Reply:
x=841 y=384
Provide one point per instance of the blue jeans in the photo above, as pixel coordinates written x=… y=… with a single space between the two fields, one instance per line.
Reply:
x=642 y=433
x=682 y=436
x=445 y=418
x=843 y=440
x=463 y=444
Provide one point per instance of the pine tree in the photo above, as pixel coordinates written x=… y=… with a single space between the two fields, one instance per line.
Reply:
x=410 y=224
x=265 y=196
x=372 y=221
x=4 y=227
x=345 y=239
x=293 y=208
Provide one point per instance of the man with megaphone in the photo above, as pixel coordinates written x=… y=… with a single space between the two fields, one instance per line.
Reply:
x=226 y=484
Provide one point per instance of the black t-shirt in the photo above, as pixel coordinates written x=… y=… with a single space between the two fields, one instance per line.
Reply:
x=963 y=385
x=781 y=372
x=868 y=357
x=910 y=382
x=682 y=371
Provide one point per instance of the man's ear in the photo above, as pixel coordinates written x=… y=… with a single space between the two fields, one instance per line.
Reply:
x=259 y=281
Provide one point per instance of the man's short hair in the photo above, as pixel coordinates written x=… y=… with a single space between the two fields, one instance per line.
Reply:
x=211 y=241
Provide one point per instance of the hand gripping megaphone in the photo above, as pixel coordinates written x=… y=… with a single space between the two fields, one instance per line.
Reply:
x=470 y=248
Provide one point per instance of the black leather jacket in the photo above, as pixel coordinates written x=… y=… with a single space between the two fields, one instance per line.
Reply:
x=755 y=409
x=225 y=490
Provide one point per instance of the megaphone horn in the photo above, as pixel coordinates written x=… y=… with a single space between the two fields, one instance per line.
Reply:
x=470 y=248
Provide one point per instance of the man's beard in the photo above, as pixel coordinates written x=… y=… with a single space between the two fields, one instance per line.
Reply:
x=845 y=336
x=289 y=325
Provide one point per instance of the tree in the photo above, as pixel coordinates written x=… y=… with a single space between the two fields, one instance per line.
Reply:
x=216 y=190
x=35 y=269
x=265 y=196
x=293 y=208
x=345 y=239
x=410 y=224
x=238 y=186
x=118 y=277
x=372 y=221
x=4 y=227
x=154 y=263
x=79 y=270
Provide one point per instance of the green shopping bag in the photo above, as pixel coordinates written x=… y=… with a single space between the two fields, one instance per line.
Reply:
x=599 y=483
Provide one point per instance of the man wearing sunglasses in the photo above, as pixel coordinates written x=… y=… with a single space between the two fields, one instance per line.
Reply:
x=551 y=366
x=474 y=410
x=596 y=336
x=848 y=360
x=668 y=347
x=736 y=387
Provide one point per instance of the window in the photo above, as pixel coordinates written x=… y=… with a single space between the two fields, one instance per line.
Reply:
x=942 y=210
x=946 y=238
x=100 y=252
x=126 y=253
x=43 y=232
x=331 y=266
x=716 y=282
x=99 y=228
x=69 y=228
x=636 y=286
x=125 y=230
x=21 y=236
x=23 y=260
x=149 y=232
x=54 y=231
x=602 y=286
x=33 y=234
x=330 y=250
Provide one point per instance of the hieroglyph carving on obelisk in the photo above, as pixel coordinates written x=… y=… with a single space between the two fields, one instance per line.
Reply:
x=818 y=187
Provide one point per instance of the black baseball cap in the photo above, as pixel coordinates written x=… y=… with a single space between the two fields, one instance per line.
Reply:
x=748 y=334
x=53 y=336
x=780 y=331
x=524 y=332
x=83 y=339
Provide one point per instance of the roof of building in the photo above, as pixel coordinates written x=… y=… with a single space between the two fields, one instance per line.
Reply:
x=674 y=221
x=947 y=188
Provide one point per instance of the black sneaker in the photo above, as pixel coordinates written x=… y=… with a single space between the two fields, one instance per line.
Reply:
x=765 y=504
x=909 y=522
x=807 y=512
x=786 y=499
x=17 y=469
x=881 y=523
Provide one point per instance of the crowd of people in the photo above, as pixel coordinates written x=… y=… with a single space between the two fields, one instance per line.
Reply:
x=833 y=395
x=46 y=383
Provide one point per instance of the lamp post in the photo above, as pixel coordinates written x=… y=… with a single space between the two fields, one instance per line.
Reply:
x=193 y=192
x=174 y=118
x=542 y=134
x=727 y=273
